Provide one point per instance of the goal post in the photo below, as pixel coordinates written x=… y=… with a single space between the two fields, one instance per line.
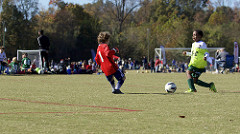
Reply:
x=162 y=52
x=33 y=55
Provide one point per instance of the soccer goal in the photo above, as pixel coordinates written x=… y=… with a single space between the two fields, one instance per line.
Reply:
x=33 y=55
x=168 y=54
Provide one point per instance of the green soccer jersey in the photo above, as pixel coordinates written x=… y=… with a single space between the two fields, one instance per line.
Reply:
x=26 y=62
x=198 y=52
x=14 y=65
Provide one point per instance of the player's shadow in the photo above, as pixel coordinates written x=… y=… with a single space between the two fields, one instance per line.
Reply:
x=15 y=75
x=156 y=93
x=233 y=92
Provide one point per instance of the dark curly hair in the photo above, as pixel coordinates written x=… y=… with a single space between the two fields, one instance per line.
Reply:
x=199 y=32
x=103 y=37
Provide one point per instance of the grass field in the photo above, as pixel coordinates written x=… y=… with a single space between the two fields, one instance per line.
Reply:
x=72 y=104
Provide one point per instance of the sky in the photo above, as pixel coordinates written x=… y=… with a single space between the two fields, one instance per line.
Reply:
x=226 y=2
x=44 y=3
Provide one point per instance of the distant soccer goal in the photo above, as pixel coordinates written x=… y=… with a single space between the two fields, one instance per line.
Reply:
x=168 y=54
x=33 y=55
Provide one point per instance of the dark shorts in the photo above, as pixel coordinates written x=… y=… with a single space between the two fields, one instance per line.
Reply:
x=119 y=75
x=196 y=72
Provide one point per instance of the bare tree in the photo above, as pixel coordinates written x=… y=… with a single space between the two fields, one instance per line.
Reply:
x=219 y=3
x=122 y=9
x=28 y=7
x=237 y=3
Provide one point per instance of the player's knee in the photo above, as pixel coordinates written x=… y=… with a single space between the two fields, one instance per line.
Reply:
x=124 y=78
x=121 y=81
x=188 y=73
x=195 y=80
x=112 y=79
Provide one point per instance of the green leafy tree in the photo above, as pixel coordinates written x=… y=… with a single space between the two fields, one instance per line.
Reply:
x=221 y=15
x=11 y=27
x=72 y=31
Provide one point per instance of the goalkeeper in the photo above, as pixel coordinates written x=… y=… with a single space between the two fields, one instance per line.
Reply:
x=198 y=62
x=26 y=62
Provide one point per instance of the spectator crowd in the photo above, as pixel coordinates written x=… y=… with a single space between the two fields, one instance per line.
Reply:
x=66 y=66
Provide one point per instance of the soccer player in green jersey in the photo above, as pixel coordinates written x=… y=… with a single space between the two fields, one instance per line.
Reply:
x=198 y=62
x=14 y=66
x=26 y=62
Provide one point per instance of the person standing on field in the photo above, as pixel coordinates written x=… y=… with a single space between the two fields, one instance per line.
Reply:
x=222 y=57
x=199 y=54
x=3 y=59
x=104 y=58
x=44 y=44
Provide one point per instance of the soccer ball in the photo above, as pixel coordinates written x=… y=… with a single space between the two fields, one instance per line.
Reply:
x=170 y=87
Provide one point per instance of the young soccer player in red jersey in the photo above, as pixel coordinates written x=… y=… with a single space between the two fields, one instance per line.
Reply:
x=104 y=58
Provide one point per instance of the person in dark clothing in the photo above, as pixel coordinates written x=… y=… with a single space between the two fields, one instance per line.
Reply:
x=61 y=67
x=44 y=44
x=152 y=65
x=144 y=61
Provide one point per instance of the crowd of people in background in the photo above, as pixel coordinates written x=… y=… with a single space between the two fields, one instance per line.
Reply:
x=66 y=66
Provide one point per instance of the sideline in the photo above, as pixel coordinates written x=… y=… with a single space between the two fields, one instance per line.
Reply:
x=60 y=104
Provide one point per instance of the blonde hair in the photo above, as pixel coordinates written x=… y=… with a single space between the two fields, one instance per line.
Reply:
x=14 y=59
x=103 y=37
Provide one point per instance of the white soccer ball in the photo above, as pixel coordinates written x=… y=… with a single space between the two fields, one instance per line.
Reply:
x=170 y=87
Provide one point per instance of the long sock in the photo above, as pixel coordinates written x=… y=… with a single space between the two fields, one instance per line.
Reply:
x=119 y=84
x=204 y=84
x=191 y=84
x=112 y=85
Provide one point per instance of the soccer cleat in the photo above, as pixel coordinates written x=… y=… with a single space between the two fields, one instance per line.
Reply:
x=190 y=91
x=212 y=87
x=117 y=91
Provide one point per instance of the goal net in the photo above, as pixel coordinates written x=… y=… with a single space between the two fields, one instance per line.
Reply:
x=167 y=55
x=33 y=55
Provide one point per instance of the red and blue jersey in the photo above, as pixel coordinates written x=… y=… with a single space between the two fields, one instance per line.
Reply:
x=104 y=58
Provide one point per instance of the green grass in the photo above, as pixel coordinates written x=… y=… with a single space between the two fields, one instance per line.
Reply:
x=65 y=104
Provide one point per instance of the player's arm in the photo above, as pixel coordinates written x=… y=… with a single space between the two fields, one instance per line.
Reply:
x=185 y=53
x=110 y=53
x=4 y=57
x=39 y=41
x=97 y=59
x=21 y=65
x=115 y=57
x=206 y=54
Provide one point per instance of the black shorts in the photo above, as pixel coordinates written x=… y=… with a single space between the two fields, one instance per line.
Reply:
x=196 y=72
x=119 y=75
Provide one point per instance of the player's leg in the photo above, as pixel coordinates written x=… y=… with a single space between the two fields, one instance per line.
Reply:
x=211 y=85
x=1 y=69
x=46 y=60
x=120 y=76
x=202 y=83
x=111 y=81
x=190 y=81
x=42 y=56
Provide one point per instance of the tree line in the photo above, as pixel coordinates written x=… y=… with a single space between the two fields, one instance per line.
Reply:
x=137 y=26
